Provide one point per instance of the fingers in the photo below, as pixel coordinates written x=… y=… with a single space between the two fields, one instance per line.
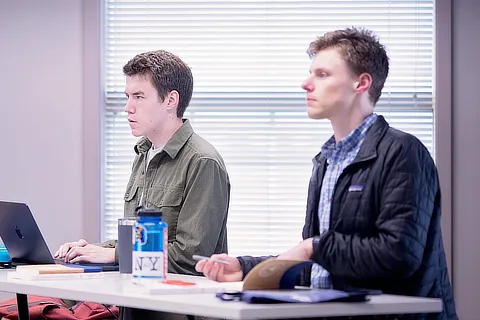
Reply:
x=200 y=265
x=79 y=259
x=220 y=267
x=216 y=271
x=65 y=248
x=91 y=254
x=211 y=269
x=62 y=251
x=73 y=255
x=57 y=253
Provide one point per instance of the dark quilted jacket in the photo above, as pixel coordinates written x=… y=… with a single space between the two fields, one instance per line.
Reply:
x=384 y=232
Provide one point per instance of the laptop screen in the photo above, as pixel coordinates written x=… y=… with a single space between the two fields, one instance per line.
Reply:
x=21 y=235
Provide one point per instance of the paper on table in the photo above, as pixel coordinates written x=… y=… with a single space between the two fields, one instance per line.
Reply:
x=13 y=275
x=182 y=287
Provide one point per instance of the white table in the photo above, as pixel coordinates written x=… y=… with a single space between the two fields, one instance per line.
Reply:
x=110 y=290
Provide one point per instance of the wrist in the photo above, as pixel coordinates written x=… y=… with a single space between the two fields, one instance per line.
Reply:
x=308 y=246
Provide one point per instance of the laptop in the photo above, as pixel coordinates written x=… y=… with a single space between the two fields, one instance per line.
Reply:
x=24 y=241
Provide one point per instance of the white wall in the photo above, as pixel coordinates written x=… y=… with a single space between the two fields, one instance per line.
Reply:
x=41 y=97
x=466 y=156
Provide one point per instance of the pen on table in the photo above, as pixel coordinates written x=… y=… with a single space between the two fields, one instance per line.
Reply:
x=197 y=257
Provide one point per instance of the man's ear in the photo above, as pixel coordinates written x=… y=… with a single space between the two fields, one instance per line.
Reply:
x=363 y=83
x=173 y=98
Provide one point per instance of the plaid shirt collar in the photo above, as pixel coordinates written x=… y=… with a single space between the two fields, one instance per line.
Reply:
x=332 y=148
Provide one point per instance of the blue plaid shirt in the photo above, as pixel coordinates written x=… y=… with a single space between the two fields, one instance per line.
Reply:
x=339 y=155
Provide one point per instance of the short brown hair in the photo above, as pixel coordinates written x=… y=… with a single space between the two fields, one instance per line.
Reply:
x=167 y=72
x=362 y=52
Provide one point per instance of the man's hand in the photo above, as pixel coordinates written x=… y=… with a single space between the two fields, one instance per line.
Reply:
x=82 y=251
x=64 y=248
x=303 y=251
x=90 y=253
x=221 y=272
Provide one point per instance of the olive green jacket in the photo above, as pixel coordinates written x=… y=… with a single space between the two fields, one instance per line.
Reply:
x=189 y=182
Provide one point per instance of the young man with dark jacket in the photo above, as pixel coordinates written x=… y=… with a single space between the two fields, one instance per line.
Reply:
x=374 y=206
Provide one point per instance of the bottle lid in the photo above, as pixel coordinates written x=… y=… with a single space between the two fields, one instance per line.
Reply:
x=148 y=212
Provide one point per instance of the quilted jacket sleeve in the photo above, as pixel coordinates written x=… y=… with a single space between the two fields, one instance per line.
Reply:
x=248 y=262
x=406 y=198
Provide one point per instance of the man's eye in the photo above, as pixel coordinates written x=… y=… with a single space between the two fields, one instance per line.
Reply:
x=323 y=75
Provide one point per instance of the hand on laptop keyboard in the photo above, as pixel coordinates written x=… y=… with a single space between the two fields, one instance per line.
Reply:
x=81 y=252
x=64 y=248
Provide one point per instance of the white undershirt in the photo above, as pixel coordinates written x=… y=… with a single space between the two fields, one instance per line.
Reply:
x=150 y=154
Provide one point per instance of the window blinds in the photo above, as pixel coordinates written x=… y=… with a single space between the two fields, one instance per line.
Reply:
x=248 y=59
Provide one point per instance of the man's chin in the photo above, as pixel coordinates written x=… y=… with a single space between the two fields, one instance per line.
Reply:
x=316 y=115
x=136 y=134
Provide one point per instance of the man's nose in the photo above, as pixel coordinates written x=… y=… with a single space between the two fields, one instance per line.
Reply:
x=129 y=108
x=307 y=85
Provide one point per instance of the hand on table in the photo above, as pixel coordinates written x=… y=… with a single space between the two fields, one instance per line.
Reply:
x=221 y=272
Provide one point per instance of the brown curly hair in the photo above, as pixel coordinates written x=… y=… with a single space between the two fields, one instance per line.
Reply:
x=362 y=52
x=167 y=72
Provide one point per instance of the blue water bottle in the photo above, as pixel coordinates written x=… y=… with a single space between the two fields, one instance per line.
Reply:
x=150 y=246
